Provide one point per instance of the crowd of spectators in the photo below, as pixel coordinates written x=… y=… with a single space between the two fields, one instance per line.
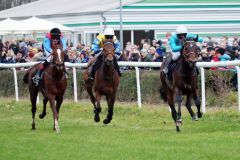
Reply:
x=147 y=51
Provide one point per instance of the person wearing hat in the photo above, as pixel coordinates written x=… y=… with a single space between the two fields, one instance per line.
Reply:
x=97 y=50
x=54 y=37
x=176 y=45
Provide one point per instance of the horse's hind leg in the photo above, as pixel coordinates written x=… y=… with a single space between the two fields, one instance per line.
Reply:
x=189 y=108
x=90 y=93
x=43 y=114
x=197 y=103
x=97 y=108
x=33 y=97
x=110 y=102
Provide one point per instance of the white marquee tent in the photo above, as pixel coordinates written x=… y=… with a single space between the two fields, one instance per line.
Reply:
x=32 y=24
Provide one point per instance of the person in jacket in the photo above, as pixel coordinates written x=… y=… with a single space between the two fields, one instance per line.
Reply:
x=96 y=51
x=54 y=37
x=176 y=45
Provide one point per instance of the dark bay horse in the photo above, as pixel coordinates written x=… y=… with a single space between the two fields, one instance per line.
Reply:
x=184 y=82
x=105 y=82
x=53 y=86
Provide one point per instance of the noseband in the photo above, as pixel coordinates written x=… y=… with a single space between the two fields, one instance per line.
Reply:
x=60 y=65
x=187 y=56
x=108 y=53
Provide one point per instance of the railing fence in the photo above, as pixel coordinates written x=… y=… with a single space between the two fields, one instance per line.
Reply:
x=201 y=65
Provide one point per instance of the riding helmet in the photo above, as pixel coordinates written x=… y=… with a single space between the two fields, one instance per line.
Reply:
x=55 y=32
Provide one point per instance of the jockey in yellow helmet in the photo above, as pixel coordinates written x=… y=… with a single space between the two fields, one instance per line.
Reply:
x=97 y=50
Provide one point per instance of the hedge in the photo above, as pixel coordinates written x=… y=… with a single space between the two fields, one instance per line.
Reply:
x=219 y=88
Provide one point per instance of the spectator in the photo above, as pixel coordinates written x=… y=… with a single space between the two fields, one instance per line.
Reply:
x=145 y=56
x=135 y=56
x=223 y=55
x=166 y=43
x=1 y=50
x=19 y=58
x=234 y=49
x=8 y=57
x=154 y=43
x=14 y=47
x=161 y=51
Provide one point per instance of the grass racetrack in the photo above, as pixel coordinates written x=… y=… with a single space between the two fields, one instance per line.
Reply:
x=134 y=134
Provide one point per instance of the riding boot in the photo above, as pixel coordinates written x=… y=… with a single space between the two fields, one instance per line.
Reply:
x=167 y=67
x=95 y=65
x=38 y=76
x=116 y=66
x=90 y=71
x=66 y=73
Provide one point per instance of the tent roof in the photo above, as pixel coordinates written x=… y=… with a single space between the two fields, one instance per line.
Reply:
x=58 y=7
x=30 y=25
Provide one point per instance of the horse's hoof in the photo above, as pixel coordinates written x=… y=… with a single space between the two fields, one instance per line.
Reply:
x=106 y=121
x=96 y=118
x=199 y=114
x=179 y=122
x=178 y=129
x=33 y=127
x=41 y=116
x=195 y=118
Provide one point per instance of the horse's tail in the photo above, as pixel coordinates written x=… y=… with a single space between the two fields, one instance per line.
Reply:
x=162 y=91
x=25 y=77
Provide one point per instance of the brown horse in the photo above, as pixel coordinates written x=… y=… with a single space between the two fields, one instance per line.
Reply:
x=105 y=82
x=184 y=82
x=53 y=86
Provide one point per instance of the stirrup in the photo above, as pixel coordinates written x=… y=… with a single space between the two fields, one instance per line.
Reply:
x=35 y=81
x=165 y=70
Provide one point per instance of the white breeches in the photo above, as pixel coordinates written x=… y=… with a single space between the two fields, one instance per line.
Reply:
x=175 y=55
x=49 y=58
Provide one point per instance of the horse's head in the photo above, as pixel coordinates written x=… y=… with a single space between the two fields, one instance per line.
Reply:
x=58 y=56
x=190 y=50
x=108 y=51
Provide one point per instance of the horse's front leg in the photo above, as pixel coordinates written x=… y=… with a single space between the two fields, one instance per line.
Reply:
x=197 y=103
x=189 y=108
x=110 y=101
x=97 y=108
x=170 y=100
x=43 y=114
x=33 y=97
x=178 y=95
x=51 y=99
x=59 y=100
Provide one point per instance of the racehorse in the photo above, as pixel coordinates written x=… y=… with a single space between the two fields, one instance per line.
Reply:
x=53 y=86
x=184 y=82
x=106 y=81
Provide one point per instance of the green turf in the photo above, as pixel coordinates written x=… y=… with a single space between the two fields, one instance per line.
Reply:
x=134 y=134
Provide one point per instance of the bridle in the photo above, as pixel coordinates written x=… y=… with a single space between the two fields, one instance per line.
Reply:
x=109 y=53
x=187 y=56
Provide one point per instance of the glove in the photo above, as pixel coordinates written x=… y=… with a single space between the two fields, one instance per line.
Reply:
x=117 y=55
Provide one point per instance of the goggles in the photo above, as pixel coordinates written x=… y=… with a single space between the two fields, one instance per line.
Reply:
x=108 y=36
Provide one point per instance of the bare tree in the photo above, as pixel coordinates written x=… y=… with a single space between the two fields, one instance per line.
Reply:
x=5 y=4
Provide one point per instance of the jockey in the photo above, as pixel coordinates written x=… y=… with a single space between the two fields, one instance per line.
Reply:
x=176 y=45
x=97 y=50
x=54 y=37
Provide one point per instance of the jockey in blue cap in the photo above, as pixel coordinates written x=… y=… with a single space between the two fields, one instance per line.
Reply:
x=54 y=37
x=176 y=45
x=97 y=50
